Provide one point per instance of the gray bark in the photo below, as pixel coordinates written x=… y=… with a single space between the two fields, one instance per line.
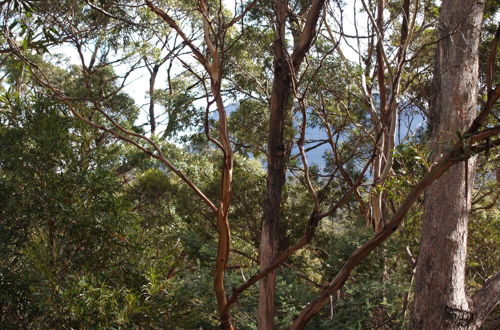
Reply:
x=441 y=301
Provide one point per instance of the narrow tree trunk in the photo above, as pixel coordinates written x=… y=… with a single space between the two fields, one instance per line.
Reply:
x=440 y=298
x=276 y=172
x=152 y=100
x=223 y=227
x=270 y=227
x=377 y=200
x=277 y=151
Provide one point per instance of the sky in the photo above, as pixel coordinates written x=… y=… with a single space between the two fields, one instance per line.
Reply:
x=138 y=81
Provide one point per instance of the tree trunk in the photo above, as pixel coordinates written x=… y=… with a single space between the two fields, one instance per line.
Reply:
x=440 y=298
x=277 y=148
x=152 y=100
x=223 y=227
x=276 y=172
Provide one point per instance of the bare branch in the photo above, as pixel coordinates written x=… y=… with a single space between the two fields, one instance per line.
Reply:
x=171 y=22
x=459 y=152
x=237 y=18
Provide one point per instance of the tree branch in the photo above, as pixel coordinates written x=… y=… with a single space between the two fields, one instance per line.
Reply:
x=44 y=82
x=308 y=33
x=486 y=299
x=171 y=22
x=459 y=152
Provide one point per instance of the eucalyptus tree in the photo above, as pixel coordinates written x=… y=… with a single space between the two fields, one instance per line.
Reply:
x=440 y=293
x=282 y=61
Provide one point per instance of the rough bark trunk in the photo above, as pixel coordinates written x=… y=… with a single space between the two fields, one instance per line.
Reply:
x=275 y=172
x=277 y=147
x=440 y=297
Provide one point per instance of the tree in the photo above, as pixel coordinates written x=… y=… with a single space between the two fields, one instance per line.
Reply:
x=285 y=67
x=281 y=63
x=440 y=291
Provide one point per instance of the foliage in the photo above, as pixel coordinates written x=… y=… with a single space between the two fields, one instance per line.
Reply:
x=96 y=231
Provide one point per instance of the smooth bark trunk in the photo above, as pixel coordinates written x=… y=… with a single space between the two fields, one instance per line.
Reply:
x=223 y=226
